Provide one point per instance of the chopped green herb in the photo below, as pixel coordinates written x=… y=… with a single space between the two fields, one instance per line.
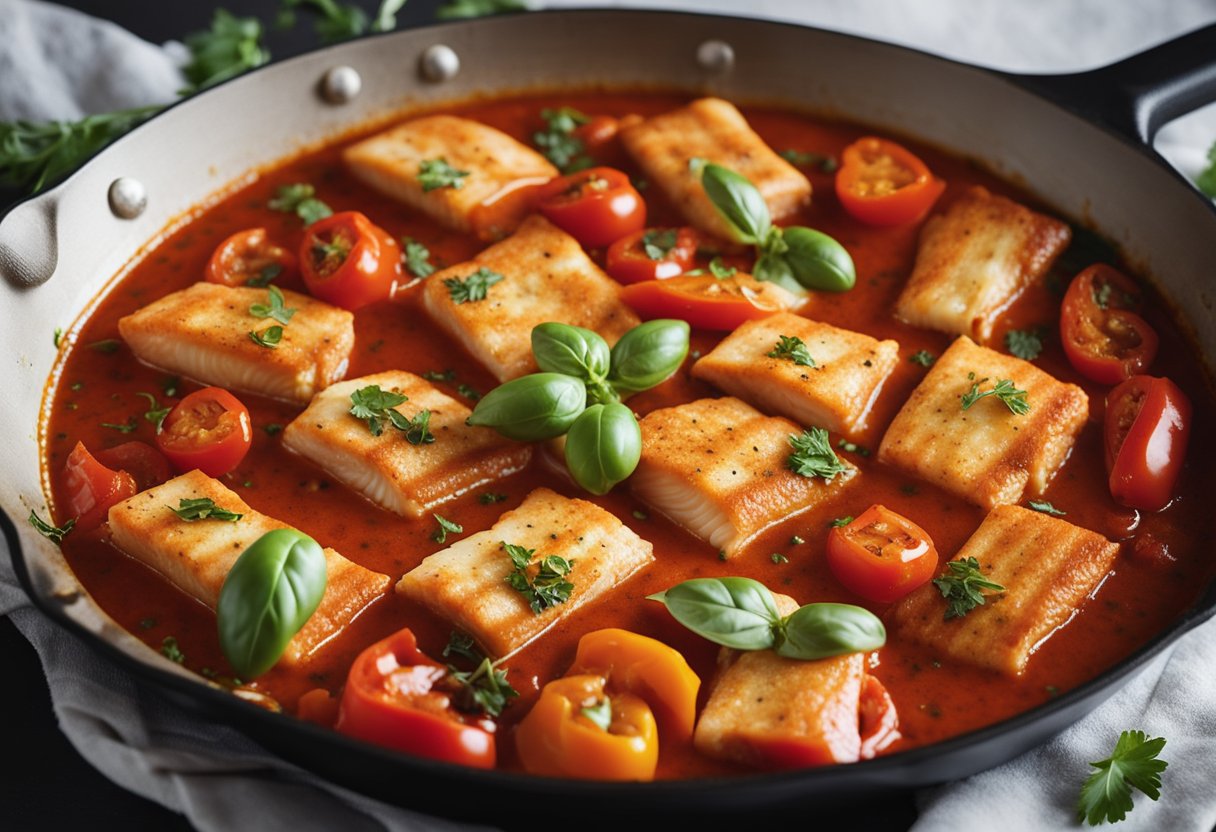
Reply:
x=484 y=689
x=796 y=540
x=657 y=243
x=462 y=644
x=827 y=164
x=300 y=199
x=434 y=174
x=108 y=346
x=961 y=586
x=841 y=522
x=57 y=337
x=599 y=714
x=417 y=258
x=147 y=623
x=436 y=375
x=268 y=337
x=231 y=46
x=203 y=508
x=638 y=514
x=170 y=650
x=559 y=144
x=1046 y=508
x=792 y=349
x=55 y=534
x=128 y=426
x=277 y=309
x=454 y=9
x=549 y=587
x=468 y=392
x=375 y=405
x=813 y=455
x=777 y=557
x=418 y=429
x=272 y=428
x=155 y=414
x=169 y=386
x=446 y=527
x=720 y=270
x=852 y=447
x=1134 y=764
x=490 y=498
x=1026 y=344
x=474 y=287
x=1207 y=178
x=77 y=386
x=268 y=273
x=1004 y=390
x=923 y=357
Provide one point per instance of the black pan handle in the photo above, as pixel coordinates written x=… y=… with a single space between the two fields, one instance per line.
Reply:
x=1137 y=95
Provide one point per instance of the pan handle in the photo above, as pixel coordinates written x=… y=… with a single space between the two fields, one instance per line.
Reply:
x=1138 y=95
x=29 y=241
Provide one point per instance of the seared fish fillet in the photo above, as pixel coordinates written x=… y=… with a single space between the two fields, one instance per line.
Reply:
x=986 y=454
x=718 y=468
x=713 y=130
x=974 y=260
x=387 y=469
x=467 y=582
x=546 y=277
x=203 y=332
x=835 y=393
x=196 y=556
x=489 y=202
x=1048 y=567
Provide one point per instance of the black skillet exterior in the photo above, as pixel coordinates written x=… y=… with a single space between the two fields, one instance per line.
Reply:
x=1131 y=98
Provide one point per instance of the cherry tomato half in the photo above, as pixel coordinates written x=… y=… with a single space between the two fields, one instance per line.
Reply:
x=1104 y=339
x=390 y=700
x=1148 y=422
x=249 y=256
x=208 y=430
x=92 y=488
x=652 y=254
x=348 y=261
x=881 y=555
x=596 y=206
x=597 y=132
x=139 y=459
x=707 y=302
x=882 y=183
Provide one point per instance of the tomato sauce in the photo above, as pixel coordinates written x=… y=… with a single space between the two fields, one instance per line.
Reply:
x=935 y=697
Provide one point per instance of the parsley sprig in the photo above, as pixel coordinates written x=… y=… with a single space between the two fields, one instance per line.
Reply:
x=55 y=534
x=434 y=174
x=1026 y=344
x=1134 y=764
x=548 y=587
x=813 y=455
x=155 y=413
x=446 y=527
x=792 y=348
x=961 y=586
x=417 y=258
x=1046 y=508
x=376 y=406
x=483 y=689
x=276 y=309
x=1004 y=389
x=270 y=337
x=559 y=144
x=231 y=46
x=475 y=287
x=300 y=199
x=797 y=158
x=202 y=508
x=922 y=357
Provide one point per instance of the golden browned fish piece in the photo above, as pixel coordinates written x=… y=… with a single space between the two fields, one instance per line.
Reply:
x=974 y=260
x=203 y=332
x=835 y=392
x=489 y=202
x=196 y=556
x=387 y=469
x=718 y=468
x=546 y=276
x=1048 y=567
x=986 y=454
x=715 y=131
x=467 y=582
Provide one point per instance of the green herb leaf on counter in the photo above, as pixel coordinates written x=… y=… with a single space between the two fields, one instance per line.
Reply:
x=961 y=586
x=599 y=714
x=417 y=258
x=557 y=141
x=1207 y=178
x=827 y=164
x=473 y=288
x=1004 y=389
x=1026 y=344
x=171 y=651
x=1106 y=795
x=548 y=587
x=446 y=527
x=300 y=199
x=55 y=534
x=277 y=309
x=155 y=414
x=813 y=455
x=792 y=348
x=270 y=337
x=922 y=357
x=434 y=174
x=202 y=508
x=231 y=46
x=1046 y=508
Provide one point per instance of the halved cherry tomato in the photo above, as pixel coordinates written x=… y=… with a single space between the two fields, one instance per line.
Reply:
x=709 y=303
x=248 y=255
x=348 y=261
x=1148 y=423
x=881 y=555
x=390 y=699
x=139 y=459
x=558 y=739
x=647 y=668
x=878 y=720
x=208 y=430
x=883 y=183
x=1103 y=337
x=92 y=488
x=596 y=206
x=632 y=259
x=597 y=132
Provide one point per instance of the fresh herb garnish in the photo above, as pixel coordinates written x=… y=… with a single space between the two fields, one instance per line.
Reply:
x=827 y=164
x=468 y=392
x=437 y=375
x=277 y=309
x=202 y=508
x=1004 y=390
x=961 y=587
x=1134 y=764
x=171 y=651
x=418 y=429
x=548 y=587
x=813 y=455
x=55 y=534
x=796 y=540
x=263 y=278
x=638 y=514
x=57 y=336
x=777 y=557
x=489 y=498
x=270 y=337
x=600 y=714
x=272 y=428
x=558 y=142
x=1026 y=344
x=155 y=414
x=169 y=386
x=472 y=288
x=375 y=405
x=417 y=258
x=484 y=689
x=657 y=243
x=453 y=9
x=231 y=46
x=334 y=21
x=852 y=447
x=1206 y=180
x=792 y=349
x=462 y=644
x=922 y=357
x=720 y=270
x=1046 y=508
x=841 y=522
x=128 y=426
x=437 y=173
x=107 y=346
x=446 y=527
x=300 y=199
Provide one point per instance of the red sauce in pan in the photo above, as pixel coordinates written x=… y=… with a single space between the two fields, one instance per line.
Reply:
x=935 y=697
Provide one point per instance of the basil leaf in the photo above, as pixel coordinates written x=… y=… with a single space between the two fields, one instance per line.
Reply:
x=817 y=631
x=775 y=268
x=572 y=350
x=648 y=354
x=818 y=261
x=733 y=612
x=603 y=446
x=535 y=407
x=738 y=201
x=270 y=593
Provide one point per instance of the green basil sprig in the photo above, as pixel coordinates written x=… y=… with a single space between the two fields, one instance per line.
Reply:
x=270 y=593
x=603 y=446
x=742 y=613
x=532 y=408
x=571 y=350
x=795 y=258
x=648 y=354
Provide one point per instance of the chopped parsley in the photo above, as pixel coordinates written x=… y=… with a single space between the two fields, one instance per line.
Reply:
x=57 y=337
x=108 y=346
x=841 y=522
x=417 y=258
x=270 y=337
x=417 y=429
x=796 y=540
x=169 y=386
x=202 y=508
x=437 y=375
x=1046 y=508
x=792 y=349
x=300 y=199
x=599 y=714
x=489 y=498
x=813 y=455
x=434 y=174
x=557 y=141
x=827 y=164
x=468 y=392
x=657 y=243
x=277 y=309
x=462 y=644
x=155 y=414
x=230 y=47
x=272 y=428
x=484 y=689
x=1026 y=344
x=777 y=557
x=268 y=273
x=922 y=357
x=638 y=514
x=1004 y=390
x=55 y=534
x=961 y=586
x=852 y=447
x=548 y=587
x=720 y=270
x=474 y=287
x=446 y=527
x=1206 y=180
x=170 y=650
x=1106 y=795
x=128 y=426
x=375 y=406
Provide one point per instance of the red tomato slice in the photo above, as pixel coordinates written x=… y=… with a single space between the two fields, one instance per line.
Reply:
x=652 y=254
x=139 y=459
x=1148 y=423
x=208 y=430
x=879 y=721
x=709 y=303
x=597 y=132
x=390 y=700
x=596 y=206
x=881 y=556
x=92 y=488
x=1103 y=337
x=882 y=183
x=348 y=261
x=249 y=256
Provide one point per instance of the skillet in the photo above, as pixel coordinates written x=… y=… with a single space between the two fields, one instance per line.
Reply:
x=1078 y=142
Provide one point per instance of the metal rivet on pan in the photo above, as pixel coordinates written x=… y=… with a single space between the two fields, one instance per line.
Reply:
x=341 y=84
x=128 y=197
x=439 y=63
x=716 y=56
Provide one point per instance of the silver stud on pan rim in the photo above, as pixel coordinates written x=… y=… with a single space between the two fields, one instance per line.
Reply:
x=128 y=197
x=341 y=84
x=439 y=63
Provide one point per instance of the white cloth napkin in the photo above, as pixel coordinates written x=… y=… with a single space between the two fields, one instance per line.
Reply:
x=55 y=63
